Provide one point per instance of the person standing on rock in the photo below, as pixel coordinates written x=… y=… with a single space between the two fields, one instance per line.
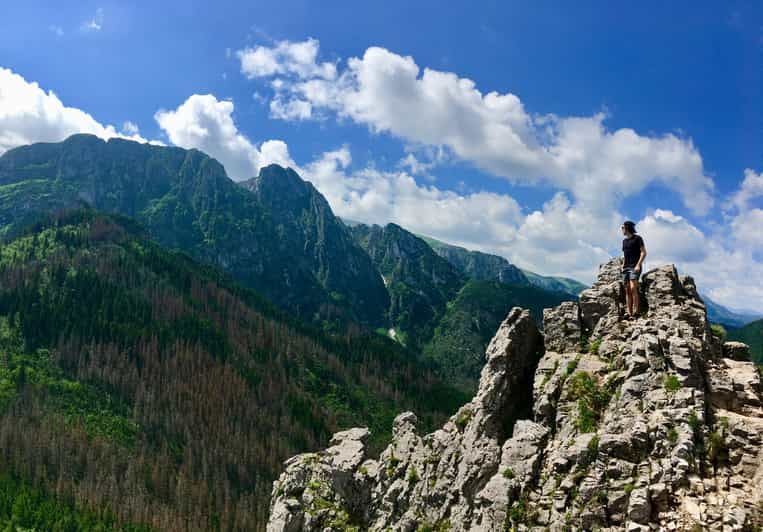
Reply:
x=634 y=253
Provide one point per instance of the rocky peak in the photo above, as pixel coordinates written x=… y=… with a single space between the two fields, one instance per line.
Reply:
x=282 y=188
x=600 y=423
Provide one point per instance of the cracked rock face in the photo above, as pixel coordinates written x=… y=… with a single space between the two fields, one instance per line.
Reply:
x=650 y=424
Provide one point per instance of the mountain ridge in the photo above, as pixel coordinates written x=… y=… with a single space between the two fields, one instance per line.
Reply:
x=186 y=201
x=443 y=307
x=727 y=317
x=419 y=281
x=485 y=266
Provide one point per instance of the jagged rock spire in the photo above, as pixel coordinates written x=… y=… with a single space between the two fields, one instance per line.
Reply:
x=635 y=425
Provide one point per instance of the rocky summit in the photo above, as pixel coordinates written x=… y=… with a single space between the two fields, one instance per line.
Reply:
x=596 y=423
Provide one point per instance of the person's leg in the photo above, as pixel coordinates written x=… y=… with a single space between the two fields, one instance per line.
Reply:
x=635 y=297
x=628 y=301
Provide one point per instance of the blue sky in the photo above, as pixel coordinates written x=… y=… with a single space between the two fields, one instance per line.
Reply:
x=650 y=112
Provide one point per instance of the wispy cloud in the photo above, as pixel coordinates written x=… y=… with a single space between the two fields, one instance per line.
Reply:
x=58 y=31
x=95 y=23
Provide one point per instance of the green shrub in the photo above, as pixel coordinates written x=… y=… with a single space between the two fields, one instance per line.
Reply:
x=463 y=418
x=519 y=514
x=413 y=475
x=578 y=475
x=591 y=398
x=671 y=383
x=594 y=346
x=672 y=435
x=583 y=345
x=593 y=446
x=694 y=423
x=508 y=473
x=717 y=448
x=718 y=330
x=440 y=526
x=392 y=465
x=587 y=419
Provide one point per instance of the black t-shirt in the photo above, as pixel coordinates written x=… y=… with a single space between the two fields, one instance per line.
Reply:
x=632 y=250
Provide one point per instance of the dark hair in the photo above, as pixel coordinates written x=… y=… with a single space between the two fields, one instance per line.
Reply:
x=630 y=226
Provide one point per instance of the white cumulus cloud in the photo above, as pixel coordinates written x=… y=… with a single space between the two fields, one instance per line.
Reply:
x=390 y=93
x=747 y=229
x=725 y=269
x=672 y=238
x=206 y=123
x=30 y=114
x=292 y=58
x=750 y=189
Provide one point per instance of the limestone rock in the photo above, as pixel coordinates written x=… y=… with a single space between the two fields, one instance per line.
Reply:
x=598 y=423
x=736 y=351
x=562 y=327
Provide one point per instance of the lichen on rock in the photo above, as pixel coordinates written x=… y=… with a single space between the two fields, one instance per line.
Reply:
x=597 y=423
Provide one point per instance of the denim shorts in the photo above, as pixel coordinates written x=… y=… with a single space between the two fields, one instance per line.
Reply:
x=630 y=274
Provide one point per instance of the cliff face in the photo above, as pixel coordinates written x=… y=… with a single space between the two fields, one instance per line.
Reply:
x=599 y=424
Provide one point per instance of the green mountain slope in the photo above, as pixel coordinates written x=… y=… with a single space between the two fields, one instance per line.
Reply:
x=717 y=313
x=420 y=282
x=478 y=265
x=24 y=508
x=470 y=321
x=555 y=284
x=752 y=335
x=135 y=380
x=284 y=247
x=449 y=303
x=487 y=267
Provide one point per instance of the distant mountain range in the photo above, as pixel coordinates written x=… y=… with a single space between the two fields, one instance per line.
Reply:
x=484 y=266
x=717 y=313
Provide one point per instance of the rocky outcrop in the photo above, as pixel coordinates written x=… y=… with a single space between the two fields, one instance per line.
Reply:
x=649 y=424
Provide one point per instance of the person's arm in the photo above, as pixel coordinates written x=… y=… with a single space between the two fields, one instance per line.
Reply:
x=641 y=257
x=623 y=268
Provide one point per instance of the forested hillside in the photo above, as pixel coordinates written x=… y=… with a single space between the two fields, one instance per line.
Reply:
x=282 y=241
x=420 y=283
x=752 y=335
x=137 y=381
x=470 y=321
